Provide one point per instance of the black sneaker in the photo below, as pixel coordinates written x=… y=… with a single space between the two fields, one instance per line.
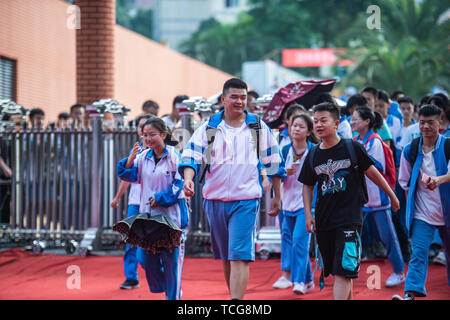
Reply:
x=130 y=284
x=408 y=296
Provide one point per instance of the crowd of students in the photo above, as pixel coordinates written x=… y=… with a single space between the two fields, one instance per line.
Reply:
x=348 y=192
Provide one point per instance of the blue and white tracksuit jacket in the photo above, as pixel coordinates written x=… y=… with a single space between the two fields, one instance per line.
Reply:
x=409 y=171
x=378 y=199
x=161 y=181
x=234 y=167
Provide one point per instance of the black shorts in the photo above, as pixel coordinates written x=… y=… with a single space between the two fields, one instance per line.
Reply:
x=341 y=251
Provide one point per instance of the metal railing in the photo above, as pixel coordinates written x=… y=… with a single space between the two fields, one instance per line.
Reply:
x=65 y=179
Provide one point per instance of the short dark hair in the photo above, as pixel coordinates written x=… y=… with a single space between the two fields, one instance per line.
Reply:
x=429 y=110
x=395 y=94
x=441 y=100
x=234 y=83
x=179 y=99
x=253 y=93
x=76 y=105
x=383 y=95
x=150 y=104
x=36 y=111
x=63 y=116
x=424 y=100
x=371 y=90
x=356 y=99
x=144 y=116
x=293 y=108
x=332 y=108
x=405 y=99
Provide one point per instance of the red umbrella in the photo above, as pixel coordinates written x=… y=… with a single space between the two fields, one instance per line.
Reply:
x=303 y=92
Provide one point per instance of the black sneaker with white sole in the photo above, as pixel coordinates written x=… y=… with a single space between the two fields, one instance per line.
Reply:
x=408 y=296
x=130 y=284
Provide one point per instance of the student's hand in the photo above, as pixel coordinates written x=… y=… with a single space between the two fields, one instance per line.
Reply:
x=115 y=203
x=188 y=188
x=291 y=171
x=152 y=202
x=395 y=204
x=432 y=183
x=136 y=149
x=276 y=207
x=310 y=223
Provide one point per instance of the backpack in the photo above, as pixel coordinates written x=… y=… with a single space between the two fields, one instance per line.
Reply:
x=211 y=134
x=415 y=149
x=390 y=176
x=354 y=160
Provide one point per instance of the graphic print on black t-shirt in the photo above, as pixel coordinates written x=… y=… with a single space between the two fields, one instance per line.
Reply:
x=339 y=190
x=334 y=183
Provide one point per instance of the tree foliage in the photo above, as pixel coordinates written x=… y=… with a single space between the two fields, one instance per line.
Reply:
x=411 y=44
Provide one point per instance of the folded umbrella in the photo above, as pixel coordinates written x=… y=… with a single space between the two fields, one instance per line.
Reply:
x=151 y=233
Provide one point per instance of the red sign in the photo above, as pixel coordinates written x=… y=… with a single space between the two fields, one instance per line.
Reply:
x=310 y=57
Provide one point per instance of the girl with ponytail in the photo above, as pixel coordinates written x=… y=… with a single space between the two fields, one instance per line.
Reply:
x=366 y=122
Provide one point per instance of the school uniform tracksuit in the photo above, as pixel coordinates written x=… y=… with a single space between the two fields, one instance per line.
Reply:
x=161 y=181
x=421 y=218
x=233 y=185
x=296 y=257
x=379 y=205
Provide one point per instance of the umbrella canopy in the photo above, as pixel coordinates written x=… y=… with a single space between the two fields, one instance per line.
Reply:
x=303 y=92
x=151 y=233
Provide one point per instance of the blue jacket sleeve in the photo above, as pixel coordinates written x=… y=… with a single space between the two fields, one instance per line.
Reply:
x=170 y=196
x=127 y=174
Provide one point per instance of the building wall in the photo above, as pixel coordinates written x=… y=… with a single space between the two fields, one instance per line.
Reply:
x=36 y=35
x=174 y=21
x=145 y=69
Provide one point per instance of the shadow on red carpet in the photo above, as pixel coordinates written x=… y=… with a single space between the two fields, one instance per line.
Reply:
x=25 y=276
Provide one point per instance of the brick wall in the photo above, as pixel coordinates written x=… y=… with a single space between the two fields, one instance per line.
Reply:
x=36 y=35
x=122 y=65
x=95 y=51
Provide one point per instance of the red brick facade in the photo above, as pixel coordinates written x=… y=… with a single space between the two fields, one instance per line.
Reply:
x=110 y=62
x=95 y=50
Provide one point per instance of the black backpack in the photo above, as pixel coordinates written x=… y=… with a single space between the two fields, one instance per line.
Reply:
x=354 y=160
x=211 y=134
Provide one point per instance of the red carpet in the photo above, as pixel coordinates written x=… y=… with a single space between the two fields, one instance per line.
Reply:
x=24 y=276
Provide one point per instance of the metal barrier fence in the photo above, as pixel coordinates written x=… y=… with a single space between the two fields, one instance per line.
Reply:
x=63 y=181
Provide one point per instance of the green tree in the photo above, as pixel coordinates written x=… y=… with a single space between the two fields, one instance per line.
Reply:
x=140 y=22
x=409 y=52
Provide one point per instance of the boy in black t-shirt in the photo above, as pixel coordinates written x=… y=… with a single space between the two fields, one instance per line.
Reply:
x=338 y=166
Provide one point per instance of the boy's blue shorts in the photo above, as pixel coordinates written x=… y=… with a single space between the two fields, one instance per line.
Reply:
x=233 y=228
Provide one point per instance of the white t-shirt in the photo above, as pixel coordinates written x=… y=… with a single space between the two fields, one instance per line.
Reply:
x=409 y=135
x=428 y=206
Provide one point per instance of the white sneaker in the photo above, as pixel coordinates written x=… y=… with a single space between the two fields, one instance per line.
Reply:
x=282 y=283
x=395 y=279
x=440 y=258
x=310 y=286
x=301 y=288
